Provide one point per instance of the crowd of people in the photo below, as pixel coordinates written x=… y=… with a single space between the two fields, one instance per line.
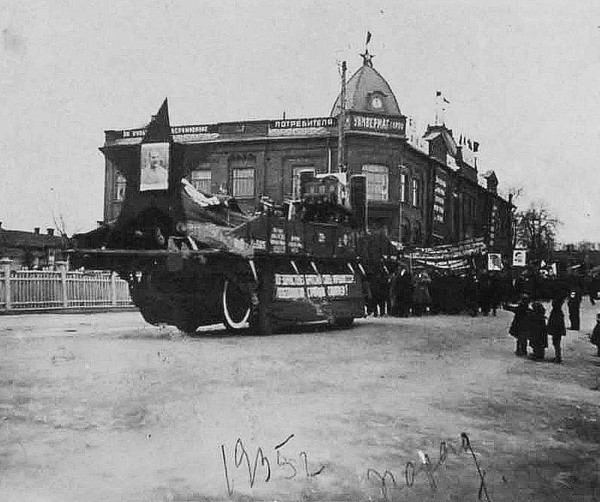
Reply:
x=401 y=293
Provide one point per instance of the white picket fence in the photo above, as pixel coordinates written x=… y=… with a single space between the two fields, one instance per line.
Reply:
x=22 y=290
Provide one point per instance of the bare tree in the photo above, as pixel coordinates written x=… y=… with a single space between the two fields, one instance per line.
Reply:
x=536 y=231
x=60 y=224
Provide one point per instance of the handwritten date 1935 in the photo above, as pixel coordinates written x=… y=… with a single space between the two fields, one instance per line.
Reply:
x=287 y=466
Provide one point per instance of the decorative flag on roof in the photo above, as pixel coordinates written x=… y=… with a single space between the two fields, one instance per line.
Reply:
x=159 y=128
x=368 y=37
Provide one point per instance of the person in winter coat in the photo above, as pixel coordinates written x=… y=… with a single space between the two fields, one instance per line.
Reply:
x=556 y=327
x=392 y=294
x=421 y=296
x=378 y=297
x=497 y=292
x=404 y=293
x=486 y=290
x=519 y=326
x=595 y=336
x=574 y=303
x=538 y=335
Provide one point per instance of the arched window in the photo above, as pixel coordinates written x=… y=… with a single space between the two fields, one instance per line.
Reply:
x=120 y=186
x=301 y=174
x=416 y=192
x=404 y=184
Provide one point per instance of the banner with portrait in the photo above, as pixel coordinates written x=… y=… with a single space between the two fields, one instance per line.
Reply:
x=519 y=258
x=494 y=262
x=154 y=168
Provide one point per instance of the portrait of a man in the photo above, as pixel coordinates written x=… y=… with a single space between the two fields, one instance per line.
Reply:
x=494 y=262
x=154 y=169
x=519 y=258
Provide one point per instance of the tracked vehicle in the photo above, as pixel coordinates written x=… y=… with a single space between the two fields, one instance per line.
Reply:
x=194 y=259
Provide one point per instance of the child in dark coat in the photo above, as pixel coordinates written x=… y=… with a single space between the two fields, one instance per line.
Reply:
x=595 y=336
x=557 y=328
x=538 y=336
x=519 y=325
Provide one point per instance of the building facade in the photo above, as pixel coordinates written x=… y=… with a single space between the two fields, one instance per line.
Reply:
x=31 y=250
x=419 y=196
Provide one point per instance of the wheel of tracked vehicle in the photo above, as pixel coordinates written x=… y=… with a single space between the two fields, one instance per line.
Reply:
x=237 y=305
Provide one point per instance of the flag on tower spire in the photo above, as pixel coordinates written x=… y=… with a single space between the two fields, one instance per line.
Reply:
x=367 y=58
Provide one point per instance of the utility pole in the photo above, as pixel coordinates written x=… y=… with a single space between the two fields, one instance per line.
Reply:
x=342 y=122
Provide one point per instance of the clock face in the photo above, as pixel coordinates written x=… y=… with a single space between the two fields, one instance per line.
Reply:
x=376 y=102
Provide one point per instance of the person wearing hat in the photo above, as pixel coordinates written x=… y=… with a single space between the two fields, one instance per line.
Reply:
x=519 y=326
x=574 y=303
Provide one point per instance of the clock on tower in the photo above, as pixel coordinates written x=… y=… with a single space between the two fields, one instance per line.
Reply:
x=376 y=103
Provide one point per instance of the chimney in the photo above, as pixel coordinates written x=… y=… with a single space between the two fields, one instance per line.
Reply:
x=36 y=231
x=50 y=231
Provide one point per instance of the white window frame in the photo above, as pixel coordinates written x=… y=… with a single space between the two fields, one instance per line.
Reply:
x=243 y=182
x=378 y=181
x=403 y=186
x=199 y=179
x=120 y=187
x=415 y=192
x=296 y=176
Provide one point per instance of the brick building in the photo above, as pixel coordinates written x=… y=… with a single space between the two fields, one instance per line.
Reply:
x=421 y=196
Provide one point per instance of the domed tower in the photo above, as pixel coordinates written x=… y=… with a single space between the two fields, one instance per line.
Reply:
x=368 y=92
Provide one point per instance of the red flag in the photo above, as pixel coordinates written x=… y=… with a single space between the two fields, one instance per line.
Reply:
x=368 y=36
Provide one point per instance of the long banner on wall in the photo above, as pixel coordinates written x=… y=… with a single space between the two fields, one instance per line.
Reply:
x=449 y=251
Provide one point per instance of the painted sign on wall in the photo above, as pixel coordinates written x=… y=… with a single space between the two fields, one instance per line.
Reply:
x=303 y=123
x=377 y=124
x=439 y=201
x=299 y=286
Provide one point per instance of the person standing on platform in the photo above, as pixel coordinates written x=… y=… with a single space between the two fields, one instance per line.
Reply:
x=556 y=328
x=574 y=303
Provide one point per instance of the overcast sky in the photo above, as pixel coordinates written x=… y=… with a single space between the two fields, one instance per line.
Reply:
x=522 y=77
